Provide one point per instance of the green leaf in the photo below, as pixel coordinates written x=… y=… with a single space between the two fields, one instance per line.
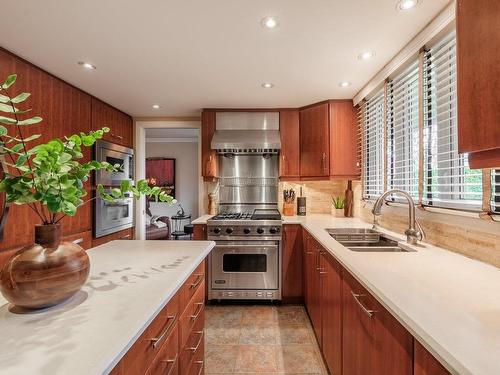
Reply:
x=117 y=193
x=17 y=147
x=21 y=160
x=88 y=140
x=3 y=131
x=105 y=129
x=32 y=137
x=4 y=99
x=9 y=81
x=7 y=120
x=125 y=186
x=21 y=97
x=65 y=157
x=7 y=108
x=30 y=121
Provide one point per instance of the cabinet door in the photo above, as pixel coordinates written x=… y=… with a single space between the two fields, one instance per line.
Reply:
x=344 y=162
x=120 y=123
x=425 y=363
x=292 y=263
x=314 y=141
x=314 y=287
x=209 y=166
x=290 y=144
x=373 y=341
x=200 y=232
x=331 y=313
x=309 y=262
x=478 y=80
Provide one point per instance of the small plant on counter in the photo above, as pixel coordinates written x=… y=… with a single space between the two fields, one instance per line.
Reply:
x=49 y=177
x=338 y=202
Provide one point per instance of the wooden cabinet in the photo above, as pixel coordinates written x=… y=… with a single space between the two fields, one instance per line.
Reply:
x=312 y=284
x=314 y=141
x=292 y=263
x=200 y=232
x=331 y=312
x=209 y=161
x=373 y=342
x=121 y=124
x=126 y=234
x=173 y=343
x=478 y=80
x=83 y=239
x=290 y=141
x=425 y=363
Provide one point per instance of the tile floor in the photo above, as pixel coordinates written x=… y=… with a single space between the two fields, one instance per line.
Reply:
x=260 y=340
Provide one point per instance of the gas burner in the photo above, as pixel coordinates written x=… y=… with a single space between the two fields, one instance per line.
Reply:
x=233 y=216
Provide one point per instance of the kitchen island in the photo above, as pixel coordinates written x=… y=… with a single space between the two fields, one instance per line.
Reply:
x=130 y=283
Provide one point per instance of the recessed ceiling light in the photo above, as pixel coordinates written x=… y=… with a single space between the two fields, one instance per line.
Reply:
x=156 y=106
x=87 y=65
x=367 y=55
x=345 y=84
x=267 y=85
x=406 y=4
x=269 y=22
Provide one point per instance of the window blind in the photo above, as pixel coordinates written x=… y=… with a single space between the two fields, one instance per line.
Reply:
x=447 y=179
x=372 y=114
x=495 y=191
x=403 y=131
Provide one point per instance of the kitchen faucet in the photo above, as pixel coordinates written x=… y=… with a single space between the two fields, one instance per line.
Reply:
x=413 y=235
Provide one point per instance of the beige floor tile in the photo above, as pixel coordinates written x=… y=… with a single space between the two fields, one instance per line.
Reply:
x=256 y=358
x=292 y=315
x=258 y=334
x=294 y=335
x=221 y=358
x=299 y=359
x=260 y=315
x=222 y=335
x=223 y=317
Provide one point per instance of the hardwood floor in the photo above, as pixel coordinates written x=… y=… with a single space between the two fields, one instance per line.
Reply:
x=260 y=339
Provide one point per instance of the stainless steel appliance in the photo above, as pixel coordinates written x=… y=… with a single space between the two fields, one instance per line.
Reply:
x=114 y=154
x=246 y=262
x=119 y=215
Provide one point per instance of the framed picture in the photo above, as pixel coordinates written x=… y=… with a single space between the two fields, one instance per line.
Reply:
x=161 y=172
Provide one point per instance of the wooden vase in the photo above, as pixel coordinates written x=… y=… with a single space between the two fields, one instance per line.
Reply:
x=45 y=273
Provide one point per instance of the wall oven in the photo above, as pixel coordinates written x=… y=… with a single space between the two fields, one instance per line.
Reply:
x=113 y=217
x=114 y=154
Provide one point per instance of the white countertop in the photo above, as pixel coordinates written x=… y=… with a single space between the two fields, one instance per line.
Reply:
x=129 y=283
x=450 y=303
x=202 y=219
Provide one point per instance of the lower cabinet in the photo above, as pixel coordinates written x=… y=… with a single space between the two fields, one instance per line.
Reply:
x=425 y=363
x=312 y=284
x=126 y=234
x=292 y=264
x=199 y=232
x=173 y=343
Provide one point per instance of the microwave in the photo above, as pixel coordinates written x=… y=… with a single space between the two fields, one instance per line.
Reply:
x=111 y=217
x=114 y=154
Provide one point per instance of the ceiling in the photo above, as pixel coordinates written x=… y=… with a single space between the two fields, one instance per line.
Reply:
x=191 y=54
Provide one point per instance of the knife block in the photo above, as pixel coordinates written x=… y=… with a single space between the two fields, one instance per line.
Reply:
x=288 y=209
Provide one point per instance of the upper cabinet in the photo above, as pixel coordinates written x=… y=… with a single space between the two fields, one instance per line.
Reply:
x=121 y=124
x=328 y=141
x=478 y=80
x=290 y=139
x=209 y=164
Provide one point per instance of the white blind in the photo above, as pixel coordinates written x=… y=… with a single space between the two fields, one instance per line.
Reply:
x=372 y=113
x=403 y=131
x=447 y=180
x=495 y=191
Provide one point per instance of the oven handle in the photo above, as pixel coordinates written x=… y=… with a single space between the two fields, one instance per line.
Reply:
x=244 y=245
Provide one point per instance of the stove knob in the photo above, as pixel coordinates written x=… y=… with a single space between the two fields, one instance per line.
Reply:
x=229 y=230
x=216 y=230
x=260 y=230
x=246 y=230
x=274 y=230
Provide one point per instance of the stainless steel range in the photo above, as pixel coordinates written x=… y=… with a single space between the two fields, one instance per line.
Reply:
x=246 y=262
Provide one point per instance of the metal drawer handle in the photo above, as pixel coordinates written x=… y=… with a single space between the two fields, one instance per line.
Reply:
x=172 y=362
x=125 y=236
x=363 y=307
x=117 y=136
x=199 y=278
x=195 y=348
x=157 y=340
x=198 y=310
x=201 y=367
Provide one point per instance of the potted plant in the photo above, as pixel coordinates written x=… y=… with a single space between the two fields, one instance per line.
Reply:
x=338 y=206
x=49 y=179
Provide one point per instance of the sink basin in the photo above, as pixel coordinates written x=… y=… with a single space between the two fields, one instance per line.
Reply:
x=367 y=240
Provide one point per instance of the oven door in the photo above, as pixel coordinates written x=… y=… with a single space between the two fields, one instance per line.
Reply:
x=113 y=217
x=245 y=265
x=114 y=154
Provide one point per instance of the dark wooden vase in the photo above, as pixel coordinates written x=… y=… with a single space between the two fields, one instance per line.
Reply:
x=45 y=273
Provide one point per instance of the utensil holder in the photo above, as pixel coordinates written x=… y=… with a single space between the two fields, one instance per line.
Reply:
x=288 y=209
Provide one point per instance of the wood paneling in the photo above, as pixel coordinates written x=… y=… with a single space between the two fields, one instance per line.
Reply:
x=312 y=285
x=209 y=163
x=121 y=124
x=200 y=232
x=292 y=263
x=478 y=77
x=290 y=143
x=425 y=363
x=126 y=234
x=344 y=161
x=314 y=141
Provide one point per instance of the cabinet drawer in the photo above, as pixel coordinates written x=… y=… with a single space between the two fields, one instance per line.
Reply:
x=146 y=348
x=192 y=315
x=198 y=362
x=84 y=239
x=167 y=360
x=192 y=284
x=193 y=349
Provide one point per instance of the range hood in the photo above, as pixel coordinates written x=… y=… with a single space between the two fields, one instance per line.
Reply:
x=246 y=132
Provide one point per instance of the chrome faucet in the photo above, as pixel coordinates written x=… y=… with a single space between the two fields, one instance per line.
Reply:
x=413 y=235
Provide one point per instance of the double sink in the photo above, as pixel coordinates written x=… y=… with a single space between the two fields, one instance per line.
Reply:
x=367 y=240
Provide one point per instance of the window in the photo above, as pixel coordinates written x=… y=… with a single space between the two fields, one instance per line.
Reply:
x=495 y=191
x=372 y=114
x=447 y=179
x=403 y=131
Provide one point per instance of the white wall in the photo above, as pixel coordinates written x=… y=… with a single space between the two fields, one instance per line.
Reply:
x=186 y=175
